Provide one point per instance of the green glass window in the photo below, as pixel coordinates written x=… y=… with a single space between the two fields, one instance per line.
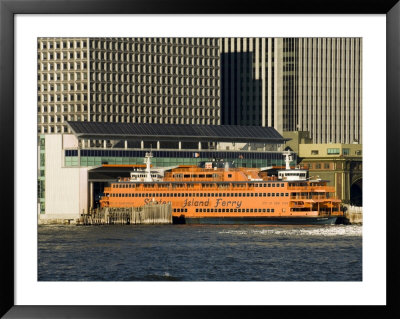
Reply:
x=333 y=151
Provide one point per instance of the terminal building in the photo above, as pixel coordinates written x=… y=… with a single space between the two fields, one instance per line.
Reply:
x=340 y=164
x=73 y=173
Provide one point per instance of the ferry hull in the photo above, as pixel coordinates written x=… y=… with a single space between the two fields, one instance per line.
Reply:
x=256 y=220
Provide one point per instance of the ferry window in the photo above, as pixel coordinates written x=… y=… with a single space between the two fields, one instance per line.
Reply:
x=247 y=210
x=267 y=210
x=282 y=185
x=229 y=175
x=273 y=194
x=287 y=194
x=208 y=210
x=197 y=210
x=235 y=210
x=269 y=194
x=263 y=210
x=273 y=185
x=219 y=210
x=282 y=194
x=277 y=195
x=272 y=210
x=255 y=194
x=186 y=176
x=201 y=175
x=251 y=210
x=208 y=175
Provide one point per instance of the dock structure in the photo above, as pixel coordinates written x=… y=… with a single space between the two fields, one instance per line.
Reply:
x=353 y=215
x=148 y=214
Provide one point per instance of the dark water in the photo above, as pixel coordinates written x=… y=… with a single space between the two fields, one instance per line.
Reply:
x=200 y=253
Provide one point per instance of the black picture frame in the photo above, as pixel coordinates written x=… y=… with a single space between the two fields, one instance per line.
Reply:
x=9 y=8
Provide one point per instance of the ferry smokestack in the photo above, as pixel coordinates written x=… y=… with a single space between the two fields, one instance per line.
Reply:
x=147 y=161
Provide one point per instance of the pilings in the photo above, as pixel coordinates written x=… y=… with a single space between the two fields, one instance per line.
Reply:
x=148 y=214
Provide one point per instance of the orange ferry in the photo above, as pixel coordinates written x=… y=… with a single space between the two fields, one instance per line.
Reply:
x=216 y=192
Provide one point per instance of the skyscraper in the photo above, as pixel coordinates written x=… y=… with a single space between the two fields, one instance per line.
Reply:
x=135 y=80
x=294 y=84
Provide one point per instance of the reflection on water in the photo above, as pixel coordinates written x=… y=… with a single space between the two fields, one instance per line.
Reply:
x=200 y=253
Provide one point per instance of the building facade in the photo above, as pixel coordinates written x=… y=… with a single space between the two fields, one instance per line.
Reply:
x=340 y=164
x=134 y=80
x=291 y=84
x=294 y=84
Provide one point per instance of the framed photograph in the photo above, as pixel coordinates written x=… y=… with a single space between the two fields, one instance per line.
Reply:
x=41 y=279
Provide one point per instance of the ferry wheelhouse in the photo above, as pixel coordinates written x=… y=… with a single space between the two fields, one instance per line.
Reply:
x=217 y=192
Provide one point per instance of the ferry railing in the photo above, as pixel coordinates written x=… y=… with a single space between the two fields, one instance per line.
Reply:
x=311 y=197
x=325 y=189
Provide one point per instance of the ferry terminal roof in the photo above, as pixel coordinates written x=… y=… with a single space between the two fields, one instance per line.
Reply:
x=176 y=132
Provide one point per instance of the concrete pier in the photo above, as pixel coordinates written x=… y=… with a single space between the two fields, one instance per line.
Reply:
x=148 y=214
x=352 y=215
